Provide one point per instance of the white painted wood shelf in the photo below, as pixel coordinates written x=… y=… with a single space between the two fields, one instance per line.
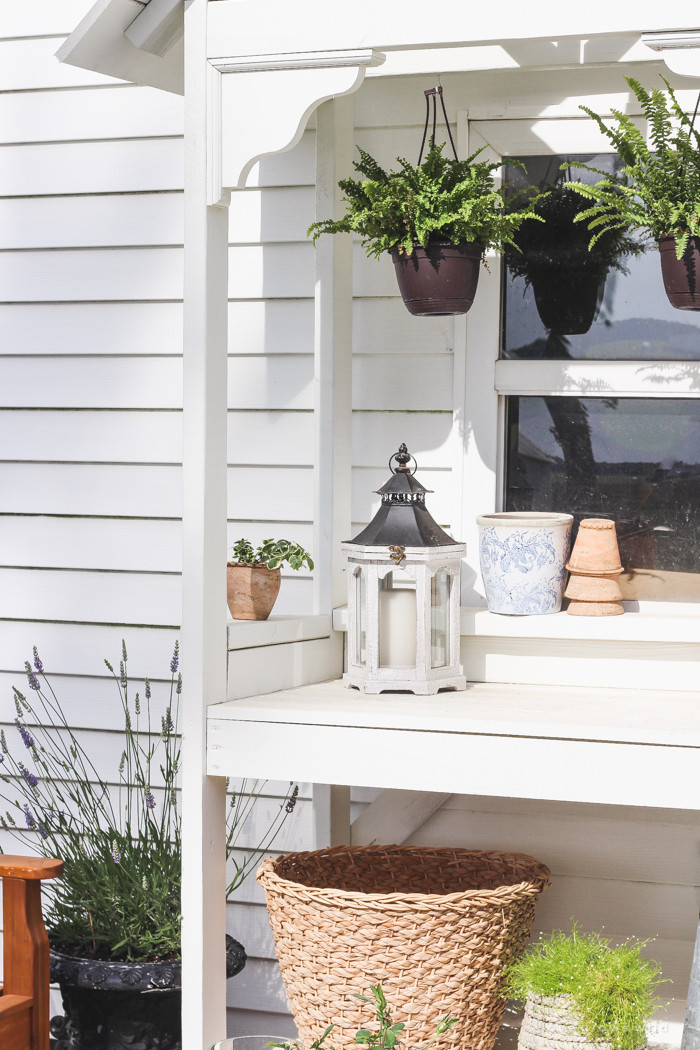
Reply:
x=607 y=746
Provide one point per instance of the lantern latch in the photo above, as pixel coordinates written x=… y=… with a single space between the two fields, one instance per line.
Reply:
x=398 y=554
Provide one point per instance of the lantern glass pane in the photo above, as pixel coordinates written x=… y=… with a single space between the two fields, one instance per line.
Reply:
x=440 y=619
x=361 y=618
x=397 y=620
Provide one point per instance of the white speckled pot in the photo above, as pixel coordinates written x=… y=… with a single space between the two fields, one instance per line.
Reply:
x=523 y=557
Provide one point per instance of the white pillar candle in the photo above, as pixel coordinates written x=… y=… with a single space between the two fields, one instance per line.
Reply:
x=397 y=628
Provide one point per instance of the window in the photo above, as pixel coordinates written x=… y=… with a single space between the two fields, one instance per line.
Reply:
x=590 y=428
x=631 y=318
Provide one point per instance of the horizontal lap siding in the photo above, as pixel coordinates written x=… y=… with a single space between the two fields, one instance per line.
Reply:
x=402 y=366
x=91 y=235
x=86 y=554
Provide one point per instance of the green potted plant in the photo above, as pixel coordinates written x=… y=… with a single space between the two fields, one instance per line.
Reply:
x=657 y=190
x=253 y=576
x=435 y=220
x=113 y=918
x=552 y=256
x=581 y=990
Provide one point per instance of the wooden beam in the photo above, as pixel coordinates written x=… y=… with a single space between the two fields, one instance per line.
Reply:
x=332 y=365
x=395 y=816
x=204 y=562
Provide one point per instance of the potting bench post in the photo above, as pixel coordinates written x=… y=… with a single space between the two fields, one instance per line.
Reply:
x=224 y=136
x=204 y=559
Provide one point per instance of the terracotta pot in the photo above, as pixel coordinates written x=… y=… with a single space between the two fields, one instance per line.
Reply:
x=595 y=609
x=251 y=590
x=595 y=551
x=568 y=297
x=593 y=588
x=438 y=280
x=681 y=276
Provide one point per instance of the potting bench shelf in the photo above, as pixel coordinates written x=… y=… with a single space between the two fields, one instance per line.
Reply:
x=609 y=746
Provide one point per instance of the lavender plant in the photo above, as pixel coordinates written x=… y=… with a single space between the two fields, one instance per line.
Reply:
x=120 y=843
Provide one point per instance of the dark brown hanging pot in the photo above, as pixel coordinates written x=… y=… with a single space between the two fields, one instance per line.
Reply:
x=567 y=296
x=681 y=276
x=440 y=279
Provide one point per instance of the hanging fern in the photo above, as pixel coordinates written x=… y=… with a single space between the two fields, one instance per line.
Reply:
x=657 y=190
x=440 y=199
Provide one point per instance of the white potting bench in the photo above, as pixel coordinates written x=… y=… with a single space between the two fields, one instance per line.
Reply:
x=254 y=71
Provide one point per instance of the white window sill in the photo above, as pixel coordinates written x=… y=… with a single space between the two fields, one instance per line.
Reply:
x=642 y=622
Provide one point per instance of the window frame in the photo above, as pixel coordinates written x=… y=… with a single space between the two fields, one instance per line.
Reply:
x=483 y=380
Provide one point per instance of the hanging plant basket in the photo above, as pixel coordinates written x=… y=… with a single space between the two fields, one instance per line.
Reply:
x=440 y=279
x=436 y=928
x=681 y=276
x=567 y=295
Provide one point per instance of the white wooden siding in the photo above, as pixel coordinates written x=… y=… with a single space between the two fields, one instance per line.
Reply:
x=91 y=232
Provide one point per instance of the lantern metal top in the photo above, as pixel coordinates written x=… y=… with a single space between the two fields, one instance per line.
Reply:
x=403 y=518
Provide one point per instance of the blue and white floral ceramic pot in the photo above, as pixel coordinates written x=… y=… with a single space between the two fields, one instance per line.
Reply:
x=523 y=555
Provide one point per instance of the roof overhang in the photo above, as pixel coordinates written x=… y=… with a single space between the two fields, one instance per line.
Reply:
x=142 y=40
x=131 y=40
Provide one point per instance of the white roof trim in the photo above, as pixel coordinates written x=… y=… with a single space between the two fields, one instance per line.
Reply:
x=99 y=43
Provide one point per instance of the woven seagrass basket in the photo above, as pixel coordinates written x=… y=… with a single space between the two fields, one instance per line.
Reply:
x=550 y=1023
x=434 y=927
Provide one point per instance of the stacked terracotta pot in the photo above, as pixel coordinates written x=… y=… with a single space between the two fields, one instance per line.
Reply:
x=593 y=587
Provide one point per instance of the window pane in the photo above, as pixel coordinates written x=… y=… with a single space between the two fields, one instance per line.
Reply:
x=628 y=315
x=635 y=460
x=439 y=619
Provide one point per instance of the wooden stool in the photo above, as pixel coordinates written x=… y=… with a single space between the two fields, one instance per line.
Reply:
x=24 y=997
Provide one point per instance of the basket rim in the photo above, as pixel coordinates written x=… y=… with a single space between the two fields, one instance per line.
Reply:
x=267 y=877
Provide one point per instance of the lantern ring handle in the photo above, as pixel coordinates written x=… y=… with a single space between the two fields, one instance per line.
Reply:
x=415 y=461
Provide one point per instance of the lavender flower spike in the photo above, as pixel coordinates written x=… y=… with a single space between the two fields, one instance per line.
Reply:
x=37 y=662
x=150 y=801
x=31 y=677
x=30 y=778
x=175 y=662
x=116 y=855
x=25 y=734
x=28 y=818
x=291 y=802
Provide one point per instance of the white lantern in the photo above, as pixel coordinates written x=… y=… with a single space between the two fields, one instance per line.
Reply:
x=403 y=595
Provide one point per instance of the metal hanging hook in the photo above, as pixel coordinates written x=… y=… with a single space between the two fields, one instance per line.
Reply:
x=433 y=93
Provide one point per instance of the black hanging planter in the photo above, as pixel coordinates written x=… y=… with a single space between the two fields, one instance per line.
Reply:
x=440 y=279
x=681 y=276
x=123 y=1005
x=568 y=292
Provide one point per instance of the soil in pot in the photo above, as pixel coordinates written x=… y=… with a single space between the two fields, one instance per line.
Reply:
x=251 y=590
x=123 y=1005
x=568 y=297
x=439 y=280
x=681 y=276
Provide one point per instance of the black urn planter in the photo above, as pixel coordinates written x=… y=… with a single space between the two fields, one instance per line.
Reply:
x=438 y=280
x=567 y=295
x=681 y=276
x=123 y=1005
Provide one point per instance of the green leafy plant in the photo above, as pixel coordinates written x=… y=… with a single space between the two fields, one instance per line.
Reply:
x=657 y=191
x=613 y=989
x=387 y=1034
x=561 y=241
x=119 y=897
x=271 y=553
x=441 y=199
